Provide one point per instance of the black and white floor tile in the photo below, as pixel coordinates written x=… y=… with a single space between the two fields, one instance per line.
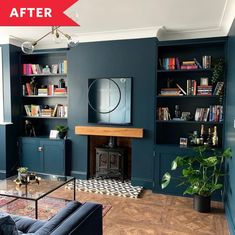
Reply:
x=108 y=187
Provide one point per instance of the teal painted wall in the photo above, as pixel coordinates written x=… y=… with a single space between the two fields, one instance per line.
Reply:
x=230 y=131
x=124 y=58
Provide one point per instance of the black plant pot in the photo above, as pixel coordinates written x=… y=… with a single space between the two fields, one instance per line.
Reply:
x=202 y=203
x=62 y=135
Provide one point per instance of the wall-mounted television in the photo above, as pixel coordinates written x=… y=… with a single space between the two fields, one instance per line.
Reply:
x=109 y=100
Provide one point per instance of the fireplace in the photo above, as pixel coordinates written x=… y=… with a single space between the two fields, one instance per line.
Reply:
x=115 y=152
x=111 y=162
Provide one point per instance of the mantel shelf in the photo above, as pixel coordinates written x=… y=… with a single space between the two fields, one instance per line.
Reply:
x=109 y=131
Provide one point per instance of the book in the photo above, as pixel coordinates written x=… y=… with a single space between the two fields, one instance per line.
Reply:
x=27 y=110
x=218 y=88
x=35 y=110
x=55 y=110
x=181 y=89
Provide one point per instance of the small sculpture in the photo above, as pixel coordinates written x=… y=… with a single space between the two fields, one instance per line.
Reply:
x=29 y=129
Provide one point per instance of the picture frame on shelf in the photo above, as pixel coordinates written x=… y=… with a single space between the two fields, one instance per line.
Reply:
x=204 y=81
x=183 y=142
x=54 y=134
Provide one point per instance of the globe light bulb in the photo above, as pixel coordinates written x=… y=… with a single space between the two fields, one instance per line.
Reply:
x=28 y=47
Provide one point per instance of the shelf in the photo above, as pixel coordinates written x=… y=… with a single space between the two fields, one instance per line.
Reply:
x=184 y=70
x=45 y=96
x=189 y=122
x=187 y=96
x=45 y=117
x=44 y=75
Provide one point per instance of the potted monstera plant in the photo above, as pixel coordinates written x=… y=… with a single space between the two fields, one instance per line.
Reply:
x=201 y=175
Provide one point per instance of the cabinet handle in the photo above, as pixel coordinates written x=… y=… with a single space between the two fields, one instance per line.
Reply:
x=40 y=149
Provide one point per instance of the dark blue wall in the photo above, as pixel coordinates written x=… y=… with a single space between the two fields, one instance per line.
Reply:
x=126 y=58
x=12 y=92
x=230 y=131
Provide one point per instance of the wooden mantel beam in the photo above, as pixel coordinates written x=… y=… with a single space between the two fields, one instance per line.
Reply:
x=109 y=131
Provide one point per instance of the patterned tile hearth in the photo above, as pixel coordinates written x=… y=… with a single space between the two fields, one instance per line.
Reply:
x=108 y=187
x=47 y=207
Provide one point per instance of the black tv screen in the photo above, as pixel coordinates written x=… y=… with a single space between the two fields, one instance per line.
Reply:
x=109 y=100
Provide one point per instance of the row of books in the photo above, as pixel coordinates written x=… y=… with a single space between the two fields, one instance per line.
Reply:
x=58 y=110
x=213 y=114
x=163 y=113
x=52 y=90
x=61 y=68
x=193 y=89
x=172 y=63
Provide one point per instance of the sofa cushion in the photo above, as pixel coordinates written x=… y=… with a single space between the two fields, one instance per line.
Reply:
x=87 y=219
x=7 y=225
x=58 y=218
x=27 y=225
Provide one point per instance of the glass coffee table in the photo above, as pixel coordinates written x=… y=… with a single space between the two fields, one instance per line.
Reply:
x=35 y=191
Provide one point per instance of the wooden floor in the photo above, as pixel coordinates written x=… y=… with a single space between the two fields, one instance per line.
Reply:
x=155 y=214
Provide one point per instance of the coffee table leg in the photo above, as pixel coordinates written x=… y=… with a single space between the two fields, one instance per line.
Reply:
x=74 y=189
x=36 y=209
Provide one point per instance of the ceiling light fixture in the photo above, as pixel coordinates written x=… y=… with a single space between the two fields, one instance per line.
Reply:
x=28 y=47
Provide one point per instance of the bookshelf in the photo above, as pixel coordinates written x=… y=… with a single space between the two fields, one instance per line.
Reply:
x=184 y=79
x=44 y=92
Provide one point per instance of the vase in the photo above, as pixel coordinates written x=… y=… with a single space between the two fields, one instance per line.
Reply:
x=62 y=135
x=202 y=203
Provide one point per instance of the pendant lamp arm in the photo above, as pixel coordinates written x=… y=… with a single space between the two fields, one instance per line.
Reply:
x=53 y=29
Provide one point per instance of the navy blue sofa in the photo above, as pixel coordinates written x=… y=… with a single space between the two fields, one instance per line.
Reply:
x=74 y=219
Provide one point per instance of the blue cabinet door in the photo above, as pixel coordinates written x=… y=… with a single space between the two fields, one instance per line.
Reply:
x=165 y=154
x=30 y=154
x=53 y=156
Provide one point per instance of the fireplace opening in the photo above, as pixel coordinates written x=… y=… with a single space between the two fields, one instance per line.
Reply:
x=110 y=157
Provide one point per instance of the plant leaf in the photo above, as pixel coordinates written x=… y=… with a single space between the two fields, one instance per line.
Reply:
x=166 y=178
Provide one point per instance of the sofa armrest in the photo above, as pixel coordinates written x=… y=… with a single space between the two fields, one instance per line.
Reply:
x=87 y=219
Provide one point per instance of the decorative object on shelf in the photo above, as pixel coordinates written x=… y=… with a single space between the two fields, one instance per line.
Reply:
x=217 y=70
x=28 y=47
x=206 y=62
x=171 y=83
x=201 y=175
x=62 y=131
x=46 y=70
x=186 y=116
x=204 y=82
x=61 y=83
x=215 y=138
x=29 y=129
x=183 y=142
x=54 y=134
x=177 y=111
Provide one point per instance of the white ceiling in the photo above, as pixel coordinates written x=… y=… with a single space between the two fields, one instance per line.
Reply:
x=112 y=19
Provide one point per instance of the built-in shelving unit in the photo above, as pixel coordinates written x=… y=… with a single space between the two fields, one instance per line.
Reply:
x=44 y=93
x=193 y=96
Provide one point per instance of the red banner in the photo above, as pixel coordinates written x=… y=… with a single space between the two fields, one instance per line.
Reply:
x=35 y=13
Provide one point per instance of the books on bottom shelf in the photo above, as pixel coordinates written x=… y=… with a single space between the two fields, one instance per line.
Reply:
x=163 y=113
x=37 y=111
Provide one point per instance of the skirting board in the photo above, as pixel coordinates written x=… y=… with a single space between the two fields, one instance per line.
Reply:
x=146 y=183
x=79 y=175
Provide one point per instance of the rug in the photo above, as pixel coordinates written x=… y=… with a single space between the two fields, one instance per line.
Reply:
x=47 y=207
x=108 y=187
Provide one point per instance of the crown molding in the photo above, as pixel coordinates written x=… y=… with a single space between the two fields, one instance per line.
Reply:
x=147 y=32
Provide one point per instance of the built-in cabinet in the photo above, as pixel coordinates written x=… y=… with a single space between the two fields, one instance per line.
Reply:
x=44 y=89
x=43 y=155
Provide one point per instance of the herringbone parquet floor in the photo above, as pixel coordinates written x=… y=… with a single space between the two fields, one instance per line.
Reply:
x=155 y=214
